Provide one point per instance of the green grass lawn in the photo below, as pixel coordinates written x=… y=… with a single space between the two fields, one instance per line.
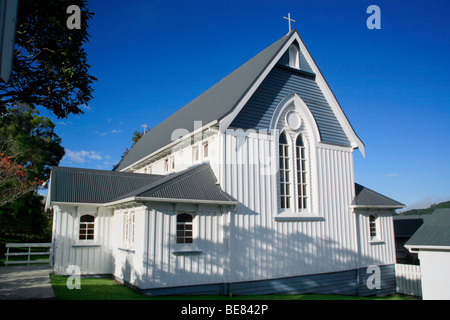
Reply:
x=107 y=289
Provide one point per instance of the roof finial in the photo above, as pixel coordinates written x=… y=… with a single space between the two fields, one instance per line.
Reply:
x=289 y=18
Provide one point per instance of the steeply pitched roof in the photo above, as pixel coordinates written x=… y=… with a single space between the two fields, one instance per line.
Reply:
x=225 y=100
x=74 y=185
x=435 y=231
x=212 y=105
x=367 y=198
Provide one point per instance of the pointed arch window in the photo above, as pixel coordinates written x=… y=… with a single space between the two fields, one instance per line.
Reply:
x=285 y=172
x=293 y=174
x=302 y=186
x=294 y=59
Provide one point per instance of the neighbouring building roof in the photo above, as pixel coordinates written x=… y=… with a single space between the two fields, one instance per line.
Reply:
x=75 y=185
x=405 y=226
x=367 y=198
x=435 y=231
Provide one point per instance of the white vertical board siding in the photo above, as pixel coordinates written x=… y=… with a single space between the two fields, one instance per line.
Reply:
x=381 y=250
x=182 y=155
x=128 y=258
x=92 y=257
x=165 y=266
x=335 y=193
x=264 y=248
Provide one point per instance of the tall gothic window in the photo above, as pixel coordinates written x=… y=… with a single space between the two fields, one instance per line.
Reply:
x=293 y=174
x=285 y=172
x=300 y=156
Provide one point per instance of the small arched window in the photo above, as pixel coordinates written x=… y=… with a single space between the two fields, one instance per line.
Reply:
x=285 y=172
x=184 y=228
x=294 y=59
x=87 y=223
x=302 y=186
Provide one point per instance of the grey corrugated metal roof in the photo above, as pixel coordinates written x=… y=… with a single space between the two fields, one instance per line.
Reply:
x=405 y=227
x=75 y=185
x=435 y=231
x=212 y=105
x=366 y=198
x=195 y=183
x=94 y=186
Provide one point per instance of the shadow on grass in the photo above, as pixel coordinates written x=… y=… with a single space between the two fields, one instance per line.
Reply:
x=108 y=289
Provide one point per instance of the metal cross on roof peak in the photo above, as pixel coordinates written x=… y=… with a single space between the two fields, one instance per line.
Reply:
x=289 y=19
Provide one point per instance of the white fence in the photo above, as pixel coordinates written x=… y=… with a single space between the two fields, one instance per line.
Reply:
x=44 y=246
x=408 y=279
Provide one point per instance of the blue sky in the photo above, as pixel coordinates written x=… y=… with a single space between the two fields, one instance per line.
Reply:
x=153 y=57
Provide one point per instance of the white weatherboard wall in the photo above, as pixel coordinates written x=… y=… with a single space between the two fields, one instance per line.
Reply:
x=262 y=247
x=164 y=262
x=379 y=250
x=435 y=274
x=128 y=257
x=92 y=257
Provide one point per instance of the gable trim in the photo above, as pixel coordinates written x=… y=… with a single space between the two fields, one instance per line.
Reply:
x=331 y=98
x=228 y=119
x=321 y=82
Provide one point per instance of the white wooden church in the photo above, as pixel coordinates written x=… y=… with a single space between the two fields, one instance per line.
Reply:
x=248 y=189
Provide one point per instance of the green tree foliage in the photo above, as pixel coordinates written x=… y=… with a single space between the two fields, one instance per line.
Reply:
x=25 y=219
x=429 y=210
x=50 y=64
x=30 y=140
x=14 y=180
x=29 y=143
x=137 y=135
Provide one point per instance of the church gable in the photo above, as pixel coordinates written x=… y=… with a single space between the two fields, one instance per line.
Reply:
x=281 y=82
x=284 y=79
x=286 y=59
x=247 y=97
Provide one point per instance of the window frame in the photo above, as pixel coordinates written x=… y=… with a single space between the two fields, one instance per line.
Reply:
x=195 y=153
x=205 y=146
x=301 y=170
x=294 y=189
x=373 y=227
x=86 y=224
x=182 y=227
x=166 y=165
x=284 y=173
x=294 y=57
x=128 y=229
